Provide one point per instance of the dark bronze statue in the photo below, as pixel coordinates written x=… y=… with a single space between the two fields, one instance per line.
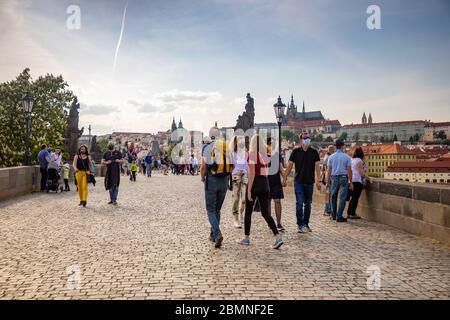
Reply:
x=72 y=133
x=247 y=119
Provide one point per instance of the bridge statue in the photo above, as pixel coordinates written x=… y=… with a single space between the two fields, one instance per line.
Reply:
x=247 y=119
x=72 y=133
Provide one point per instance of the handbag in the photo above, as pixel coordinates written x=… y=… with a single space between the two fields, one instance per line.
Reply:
x=90 y=176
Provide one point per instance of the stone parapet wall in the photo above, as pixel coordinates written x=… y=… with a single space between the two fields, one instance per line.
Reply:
x=416 y=208
x=17 y=181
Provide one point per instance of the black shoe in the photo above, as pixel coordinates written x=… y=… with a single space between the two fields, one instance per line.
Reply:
x=332 y=218
x=111 y=202
x=211 y=238
x=84 y=203
x=115 y=203
x=219 y=240
x=353 y=216
x=341 y=220
x=81 y=203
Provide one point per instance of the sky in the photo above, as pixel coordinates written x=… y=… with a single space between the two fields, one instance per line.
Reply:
x=197 y=59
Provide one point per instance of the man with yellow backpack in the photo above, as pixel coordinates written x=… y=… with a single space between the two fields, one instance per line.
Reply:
x=215 y=173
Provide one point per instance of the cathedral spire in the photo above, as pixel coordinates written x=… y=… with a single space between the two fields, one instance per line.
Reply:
x=303 y=106
x=364 y=118
x=370 y=117
x=174 y=125
x=180 y=124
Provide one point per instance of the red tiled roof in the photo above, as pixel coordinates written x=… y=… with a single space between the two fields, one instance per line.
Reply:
x=313 y=123
x=385 y=149
x=359 y=125
x=438 y=124
x=424 y=166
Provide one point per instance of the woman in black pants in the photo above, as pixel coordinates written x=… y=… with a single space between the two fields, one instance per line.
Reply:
x=258 y=187
x=359 y=178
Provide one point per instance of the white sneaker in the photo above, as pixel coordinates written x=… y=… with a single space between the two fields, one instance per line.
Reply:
x=302 y=230
x=237 y=224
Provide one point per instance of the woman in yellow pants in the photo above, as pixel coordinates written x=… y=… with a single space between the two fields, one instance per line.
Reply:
x=82 y=164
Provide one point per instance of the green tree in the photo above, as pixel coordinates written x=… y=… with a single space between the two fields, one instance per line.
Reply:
x=440 y=135
x=343 y=136
x=383 y=139
x=289 y=136
x=366 y=138
x=318 y=138
x=103 y=144
x=356 y=137
x=48 y=119
x=395 y=138
x=329 y=139
x=416 y=137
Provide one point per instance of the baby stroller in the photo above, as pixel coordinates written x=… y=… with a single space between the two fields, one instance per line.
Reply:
x=53 y=180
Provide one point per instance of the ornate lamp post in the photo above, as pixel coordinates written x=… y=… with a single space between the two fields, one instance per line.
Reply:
x=27 y=103
x=279 y=108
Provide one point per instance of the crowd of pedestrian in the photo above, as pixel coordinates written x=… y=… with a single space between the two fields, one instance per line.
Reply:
x=256 y=176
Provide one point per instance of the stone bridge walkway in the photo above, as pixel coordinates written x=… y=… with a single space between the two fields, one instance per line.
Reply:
x=154 y=246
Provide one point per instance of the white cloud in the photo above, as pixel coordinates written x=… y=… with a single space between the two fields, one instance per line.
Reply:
x=98 y=109
x=178 y=96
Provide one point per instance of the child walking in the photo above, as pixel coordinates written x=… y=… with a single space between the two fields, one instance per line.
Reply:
x=134 y=169
x=66 y=169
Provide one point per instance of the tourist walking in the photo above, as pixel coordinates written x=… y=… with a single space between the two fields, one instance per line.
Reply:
x=239 y=178
x=258 y=188
x=133 y=169
x=339 y=178
x=215 y=171
x=307 y=172
x=44 y=160
x=149 y=163
x=82 y=166
x=330 y=151
x=359 y=179
x=113 y=161
x=275 y=183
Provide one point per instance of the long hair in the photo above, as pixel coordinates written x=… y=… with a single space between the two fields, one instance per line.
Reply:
x=79 y=150
x=233 y=146
x=257 y=144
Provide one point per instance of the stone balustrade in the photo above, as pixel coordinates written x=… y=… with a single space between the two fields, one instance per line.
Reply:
x=421 y=209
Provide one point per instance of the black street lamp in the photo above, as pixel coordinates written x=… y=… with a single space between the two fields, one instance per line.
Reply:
x=27 y=103
x=279 y=108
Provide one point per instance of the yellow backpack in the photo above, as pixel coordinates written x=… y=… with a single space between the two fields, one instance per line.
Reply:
x=221 y=159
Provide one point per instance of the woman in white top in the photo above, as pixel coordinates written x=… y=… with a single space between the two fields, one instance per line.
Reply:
x=239 y=178
x=359 y=178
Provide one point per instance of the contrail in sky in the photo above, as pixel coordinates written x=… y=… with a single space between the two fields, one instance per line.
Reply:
x=120 y=36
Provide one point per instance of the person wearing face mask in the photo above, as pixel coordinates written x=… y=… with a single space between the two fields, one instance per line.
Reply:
x=307 y=172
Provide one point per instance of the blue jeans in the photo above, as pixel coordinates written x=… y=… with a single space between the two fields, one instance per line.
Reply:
x=339 y=189
x=303 y=197
x=215 y=192
x=113 y=192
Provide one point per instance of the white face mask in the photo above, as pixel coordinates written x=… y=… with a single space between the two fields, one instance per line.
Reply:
x=306 y=142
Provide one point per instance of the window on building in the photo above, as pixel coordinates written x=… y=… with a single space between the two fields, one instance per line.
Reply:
x=434 y=180
x=427 y=180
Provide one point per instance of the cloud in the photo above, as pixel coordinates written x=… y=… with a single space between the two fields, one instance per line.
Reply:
x=98 y=109
x=178 y=96
x=150 y=107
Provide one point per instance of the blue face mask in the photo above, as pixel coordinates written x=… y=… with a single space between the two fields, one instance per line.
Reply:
x=306 y=141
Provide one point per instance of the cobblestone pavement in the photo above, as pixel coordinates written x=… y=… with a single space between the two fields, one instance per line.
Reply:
x=154 y=246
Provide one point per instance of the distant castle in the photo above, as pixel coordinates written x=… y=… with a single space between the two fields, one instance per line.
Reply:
x=292 y=114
